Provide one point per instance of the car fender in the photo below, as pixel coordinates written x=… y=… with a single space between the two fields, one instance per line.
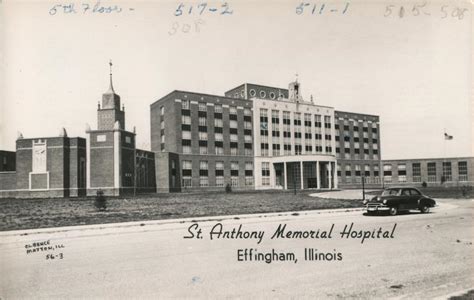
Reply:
x=427 y=201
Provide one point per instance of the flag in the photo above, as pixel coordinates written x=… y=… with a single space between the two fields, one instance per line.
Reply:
x=447 y=136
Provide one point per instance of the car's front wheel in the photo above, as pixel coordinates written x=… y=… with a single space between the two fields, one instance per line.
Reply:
x=425 y=209
x=393 y=211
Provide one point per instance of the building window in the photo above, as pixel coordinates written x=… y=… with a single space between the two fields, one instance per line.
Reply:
x=202 y=106
x=367 y=171
x=218 y=108
x=202 y=135
x=431 y=172
x=264 y=149
x=265 y=173
x=203 y=170
x=234 y=181
x=186 y=120
x=218 y=123
x=275 y=117
x=317 y=121
x=162 y=110
x=232 y=110
x=187 y=169
x=416 y=171
x=402 y=173
x=202 y=121
x=247 y=112
x=347 y=171
x=248 y=150
x=387 y=173
x=447 y=172
x=220 y=169
x=297 y=120
x=233 y=151
x=220 y=181
x=276 y=149
x=376 y=170
x=185 y=104
x=186 y=149
x=327 y=122
x=203 y=150
x=298 y=149
x=462 y=171
x=287 y=149
x=272 y=95
x=263 y=94
x=286 y=118
x=219 y=150
x=307 y=121
x=253 y=93
x=298 y=133
x=234 y=169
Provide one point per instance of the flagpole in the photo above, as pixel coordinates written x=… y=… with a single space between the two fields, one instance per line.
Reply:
x=444 y=156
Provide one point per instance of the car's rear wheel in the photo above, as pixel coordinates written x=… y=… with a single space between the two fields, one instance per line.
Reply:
x=393 y=211
x=425 y=209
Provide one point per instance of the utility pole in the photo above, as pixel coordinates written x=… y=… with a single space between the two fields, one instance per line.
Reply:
x=363 y=188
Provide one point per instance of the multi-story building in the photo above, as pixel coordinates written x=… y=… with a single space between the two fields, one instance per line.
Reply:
x=255 y=137
x=202 y=141
x=357 y=149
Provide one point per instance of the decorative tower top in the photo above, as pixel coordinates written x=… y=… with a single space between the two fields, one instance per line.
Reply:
x=108 y=112
x=110 y=100
x=294 y=90
x=111 y=86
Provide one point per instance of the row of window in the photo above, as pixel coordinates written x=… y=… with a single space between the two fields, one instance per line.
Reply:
x=432 y=174
x=356 y=140
x=287 y=149
x=286 y=118
x=356 y=128
x=219 y=167
x=218 y=108
x=187 y=181
x=218 y=148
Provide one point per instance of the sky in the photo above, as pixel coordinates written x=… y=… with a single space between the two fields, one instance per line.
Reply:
x=412 y=69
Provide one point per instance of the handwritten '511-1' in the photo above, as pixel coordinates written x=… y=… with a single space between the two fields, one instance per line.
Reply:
x=202 y=8
x=314 y=8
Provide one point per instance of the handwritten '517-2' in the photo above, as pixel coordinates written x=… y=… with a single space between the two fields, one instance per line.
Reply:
x=202 y=8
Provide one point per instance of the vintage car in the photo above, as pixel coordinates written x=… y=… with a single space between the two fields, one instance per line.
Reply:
x=396 y=199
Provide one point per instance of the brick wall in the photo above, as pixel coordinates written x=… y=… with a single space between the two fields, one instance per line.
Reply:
x=7 y=161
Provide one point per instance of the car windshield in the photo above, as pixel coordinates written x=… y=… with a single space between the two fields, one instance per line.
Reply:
x=390 y=192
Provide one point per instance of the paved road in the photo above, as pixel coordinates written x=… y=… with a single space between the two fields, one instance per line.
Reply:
x=430 y=256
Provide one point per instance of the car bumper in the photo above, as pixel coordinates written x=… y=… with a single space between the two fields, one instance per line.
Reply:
x=377 y=207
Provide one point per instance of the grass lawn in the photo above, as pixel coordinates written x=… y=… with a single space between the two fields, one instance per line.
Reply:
x=42 y=213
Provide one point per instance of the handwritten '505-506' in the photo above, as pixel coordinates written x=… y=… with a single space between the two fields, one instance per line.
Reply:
x=423 y=9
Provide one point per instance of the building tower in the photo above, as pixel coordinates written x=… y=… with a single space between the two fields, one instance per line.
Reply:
x=110 y=149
